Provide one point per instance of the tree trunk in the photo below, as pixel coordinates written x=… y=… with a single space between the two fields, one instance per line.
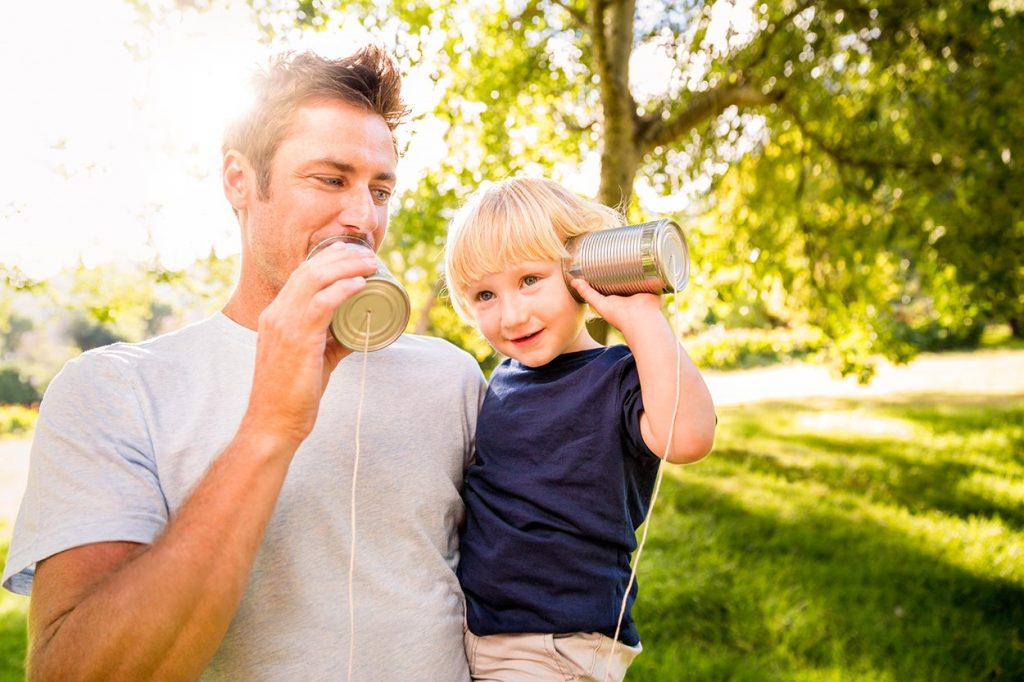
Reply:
x=612 y=33
x=1017 y=326
x=611 y=25
x=626 y=136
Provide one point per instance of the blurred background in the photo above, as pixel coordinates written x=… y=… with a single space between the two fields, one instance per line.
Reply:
x=848 y=175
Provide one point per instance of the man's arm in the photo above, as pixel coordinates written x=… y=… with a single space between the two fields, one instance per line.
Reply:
x=126 y=611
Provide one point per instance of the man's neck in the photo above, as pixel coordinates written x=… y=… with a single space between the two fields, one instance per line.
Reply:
x=246 y=304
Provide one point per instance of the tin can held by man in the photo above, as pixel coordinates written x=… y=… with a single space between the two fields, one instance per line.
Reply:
x=382 y=304
x=646 y=257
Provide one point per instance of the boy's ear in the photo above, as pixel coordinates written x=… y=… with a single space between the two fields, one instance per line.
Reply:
x=239 y=179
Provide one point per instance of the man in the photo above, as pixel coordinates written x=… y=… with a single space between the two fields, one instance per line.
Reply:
x=187 y=513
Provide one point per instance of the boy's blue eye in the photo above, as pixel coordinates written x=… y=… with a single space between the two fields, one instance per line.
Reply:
x=530 y=280
x=484 y=296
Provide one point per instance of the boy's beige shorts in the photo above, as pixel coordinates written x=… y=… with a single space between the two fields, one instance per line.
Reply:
x=532 y=657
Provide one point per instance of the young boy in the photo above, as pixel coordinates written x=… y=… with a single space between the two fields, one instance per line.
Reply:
x=568 y=439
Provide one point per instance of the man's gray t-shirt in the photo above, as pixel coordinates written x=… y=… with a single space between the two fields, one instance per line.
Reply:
x=126 y=431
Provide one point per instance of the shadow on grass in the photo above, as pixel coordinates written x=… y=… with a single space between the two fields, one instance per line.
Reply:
x=763 y=598
x=917 y=475
x=759 y=569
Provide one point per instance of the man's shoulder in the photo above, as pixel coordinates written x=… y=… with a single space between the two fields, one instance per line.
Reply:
x=432 y=361
x=432 y=348
x=125 y=358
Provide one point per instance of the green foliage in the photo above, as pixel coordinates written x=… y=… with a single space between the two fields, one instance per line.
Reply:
x=17 y=420
x=721 y=348
x=13 y=617
x=849 y=233
x=42 y=325
x=13 y=282
x=1000 y=336
x=114 y=303
x=843 y=165
x=16 y=389
x=88 y=335
x=932 y=337
x=13 y=279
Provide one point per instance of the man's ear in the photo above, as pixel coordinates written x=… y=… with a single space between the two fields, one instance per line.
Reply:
x=239 y=179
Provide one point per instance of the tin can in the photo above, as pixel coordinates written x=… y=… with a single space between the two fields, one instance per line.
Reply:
x=632 y=259
x=383 y=298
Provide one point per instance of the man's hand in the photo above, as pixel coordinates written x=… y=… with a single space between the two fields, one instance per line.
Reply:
x=295 y=352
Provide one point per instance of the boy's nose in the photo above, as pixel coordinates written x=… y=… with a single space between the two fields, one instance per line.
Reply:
x=513 y=312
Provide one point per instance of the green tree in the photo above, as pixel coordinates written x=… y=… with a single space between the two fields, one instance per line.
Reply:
x=836 y=164
x=12 y=283
x=863 y=157
x=16 y=389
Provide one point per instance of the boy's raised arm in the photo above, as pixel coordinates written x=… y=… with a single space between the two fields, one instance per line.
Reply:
x=654 y=346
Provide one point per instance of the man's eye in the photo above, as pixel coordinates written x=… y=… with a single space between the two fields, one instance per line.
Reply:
x=331 y=181
x=381 y=196
x=484 y=296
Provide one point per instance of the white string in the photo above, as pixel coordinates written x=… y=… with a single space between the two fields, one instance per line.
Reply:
x=355 y=471
x=650 y=506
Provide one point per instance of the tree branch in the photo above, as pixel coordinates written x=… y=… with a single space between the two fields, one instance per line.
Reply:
x=530 y=10
x=768 y=36
x=654 y=130
x=580 y=17
x=844 y=157
x=702 y=107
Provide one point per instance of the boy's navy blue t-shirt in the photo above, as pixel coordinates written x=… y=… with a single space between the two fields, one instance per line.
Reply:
x=561 y=480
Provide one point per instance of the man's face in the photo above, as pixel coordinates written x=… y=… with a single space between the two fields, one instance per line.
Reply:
x=333 y=174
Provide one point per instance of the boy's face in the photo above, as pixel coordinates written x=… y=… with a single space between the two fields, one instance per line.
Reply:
x=527 y=313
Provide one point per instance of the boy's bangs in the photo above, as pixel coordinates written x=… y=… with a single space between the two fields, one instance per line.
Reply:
x=527 y=238
x=511 y=237
x=513 y=221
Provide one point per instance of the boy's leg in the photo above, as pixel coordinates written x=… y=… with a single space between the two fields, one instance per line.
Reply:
x=589 y=656
x=532 y=657
x=515 y=658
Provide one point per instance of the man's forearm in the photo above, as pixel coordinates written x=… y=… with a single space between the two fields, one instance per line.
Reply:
x=163 y=610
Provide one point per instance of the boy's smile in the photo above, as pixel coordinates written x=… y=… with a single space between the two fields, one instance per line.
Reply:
x=526 y=312
x=524 y=340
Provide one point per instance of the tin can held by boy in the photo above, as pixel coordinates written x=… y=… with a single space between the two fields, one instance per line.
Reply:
x=646 y=257
x=383 y=304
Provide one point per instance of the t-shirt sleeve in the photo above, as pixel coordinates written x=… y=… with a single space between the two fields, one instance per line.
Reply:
x=632 y=406
x=474 y=392
x=92 y=477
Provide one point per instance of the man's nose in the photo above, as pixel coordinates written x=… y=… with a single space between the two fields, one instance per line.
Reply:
x=359 y=213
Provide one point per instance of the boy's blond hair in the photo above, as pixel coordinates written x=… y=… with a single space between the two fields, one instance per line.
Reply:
x=515 y=220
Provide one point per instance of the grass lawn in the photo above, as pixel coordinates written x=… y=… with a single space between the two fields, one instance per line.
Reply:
x=13 y=611
x=839 y=540
x=826 y=540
